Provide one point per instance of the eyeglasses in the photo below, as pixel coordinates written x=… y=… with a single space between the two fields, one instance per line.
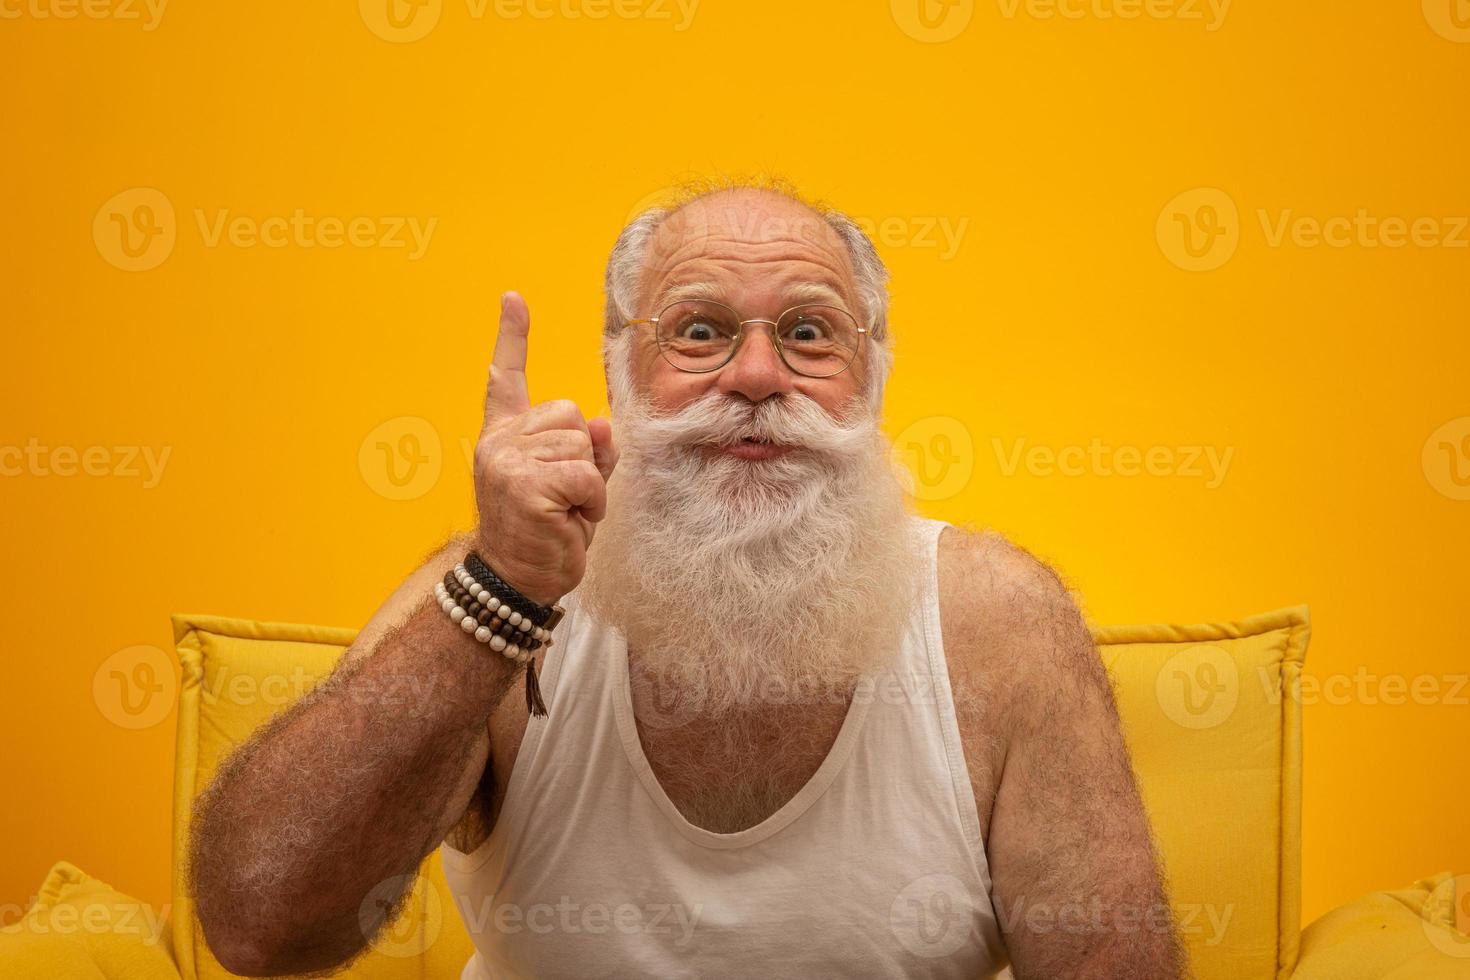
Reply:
x=701 y=336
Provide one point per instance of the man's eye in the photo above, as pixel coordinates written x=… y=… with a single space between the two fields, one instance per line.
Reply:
x=808 y=330
x=698 y=330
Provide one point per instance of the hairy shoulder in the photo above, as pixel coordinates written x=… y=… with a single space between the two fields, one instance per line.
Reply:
x=1013 y=634
x=1001 y=599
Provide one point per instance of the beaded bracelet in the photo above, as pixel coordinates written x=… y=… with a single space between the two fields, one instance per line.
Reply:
x=500 y=619
x=489 y=609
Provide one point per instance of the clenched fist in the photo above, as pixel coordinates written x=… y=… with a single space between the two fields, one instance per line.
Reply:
x=540 y=473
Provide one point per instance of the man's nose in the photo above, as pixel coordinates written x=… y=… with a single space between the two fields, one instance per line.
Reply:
x=756 y=370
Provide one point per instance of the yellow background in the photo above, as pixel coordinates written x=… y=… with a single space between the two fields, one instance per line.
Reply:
x=1063 y=316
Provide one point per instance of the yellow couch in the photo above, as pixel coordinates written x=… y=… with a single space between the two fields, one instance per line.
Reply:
x=1210 y=716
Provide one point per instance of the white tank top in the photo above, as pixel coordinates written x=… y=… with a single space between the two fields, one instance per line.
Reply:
x=874 y=869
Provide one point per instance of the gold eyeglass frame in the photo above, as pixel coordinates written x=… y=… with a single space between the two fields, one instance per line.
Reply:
x=740 y=335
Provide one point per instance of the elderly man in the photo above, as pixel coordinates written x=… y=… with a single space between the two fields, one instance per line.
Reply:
x=791 y=729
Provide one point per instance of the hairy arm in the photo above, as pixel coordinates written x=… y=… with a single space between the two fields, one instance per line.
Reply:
x=1076 y=881
x=337 y=800
x=304 y=845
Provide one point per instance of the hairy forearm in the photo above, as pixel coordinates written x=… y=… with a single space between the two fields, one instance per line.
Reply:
x=1080 y=890
x=1119 y=929
x=1077 y=880
x=347 y=790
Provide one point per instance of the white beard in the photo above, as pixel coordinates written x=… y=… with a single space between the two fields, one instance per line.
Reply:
x=741 y=583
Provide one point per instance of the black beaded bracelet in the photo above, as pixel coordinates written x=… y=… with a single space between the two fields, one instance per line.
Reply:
x=489 y=609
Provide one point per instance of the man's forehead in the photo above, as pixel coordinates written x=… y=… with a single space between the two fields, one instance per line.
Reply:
x=715 y=244
x=793 y=288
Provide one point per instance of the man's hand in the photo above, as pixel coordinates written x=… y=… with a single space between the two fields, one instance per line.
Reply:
x=540 y=474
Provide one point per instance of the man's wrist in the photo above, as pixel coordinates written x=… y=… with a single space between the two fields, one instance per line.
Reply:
x=483 y=605
x=508 y=573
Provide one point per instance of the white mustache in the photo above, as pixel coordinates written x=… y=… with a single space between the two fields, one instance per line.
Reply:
x=718 y=419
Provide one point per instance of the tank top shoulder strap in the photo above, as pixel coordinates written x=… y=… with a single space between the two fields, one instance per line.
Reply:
x=932 y=668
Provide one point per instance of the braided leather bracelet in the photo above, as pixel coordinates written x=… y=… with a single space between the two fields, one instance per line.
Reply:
x=540 y=615
x=488 y=608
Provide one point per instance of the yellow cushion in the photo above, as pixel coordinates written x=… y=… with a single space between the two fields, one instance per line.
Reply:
x=1217 y=750
x=80 y=927
x=236 y=675
x=1421 y=932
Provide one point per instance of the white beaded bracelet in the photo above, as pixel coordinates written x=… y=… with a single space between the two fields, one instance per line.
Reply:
x=498 y=624
x=483 y=634
x=490 y=602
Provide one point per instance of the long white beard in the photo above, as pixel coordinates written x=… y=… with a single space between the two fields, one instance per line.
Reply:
x=740 y=583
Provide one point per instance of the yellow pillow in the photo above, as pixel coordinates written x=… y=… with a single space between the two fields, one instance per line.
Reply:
x=1216 y=746
x=80 y=927
x=236 y=675
x=1421 y=932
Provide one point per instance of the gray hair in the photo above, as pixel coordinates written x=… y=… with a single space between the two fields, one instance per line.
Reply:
x=623 y=284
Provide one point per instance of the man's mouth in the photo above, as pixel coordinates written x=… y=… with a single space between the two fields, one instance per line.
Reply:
x=754 y=448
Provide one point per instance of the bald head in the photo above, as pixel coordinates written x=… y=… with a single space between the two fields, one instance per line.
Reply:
x=757 y=246
x=760 y=250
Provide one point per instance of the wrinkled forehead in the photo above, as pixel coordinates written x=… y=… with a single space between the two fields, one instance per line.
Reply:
x=748 y=249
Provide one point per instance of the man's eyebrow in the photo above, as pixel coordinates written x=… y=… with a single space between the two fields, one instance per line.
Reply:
x=824 y=293
x=679 y=292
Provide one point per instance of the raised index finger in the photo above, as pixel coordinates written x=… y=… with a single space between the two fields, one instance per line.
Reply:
x=506 y=393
